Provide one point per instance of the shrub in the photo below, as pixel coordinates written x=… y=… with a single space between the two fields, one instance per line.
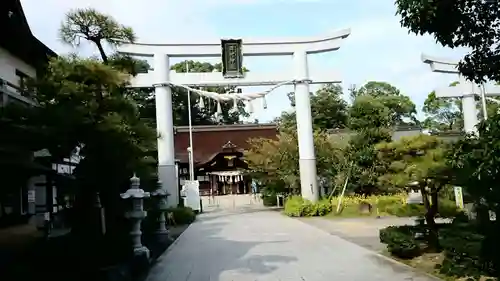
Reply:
x=183 y=215
x=382 y=202
x=296 y=206
x=463 y=252
x=394 y=205
x=269 y=200
x=446 y=209
x=323 y=207
x=405 y=210
x=400 y=241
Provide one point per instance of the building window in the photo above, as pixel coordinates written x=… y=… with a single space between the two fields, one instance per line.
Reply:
x=22 y=79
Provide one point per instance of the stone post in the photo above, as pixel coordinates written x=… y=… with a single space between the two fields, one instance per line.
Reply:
x=160 y=196
x=136 y=195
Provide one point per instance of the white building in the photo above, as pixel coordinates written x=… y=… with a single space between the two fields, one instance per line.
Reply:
x=25 y=185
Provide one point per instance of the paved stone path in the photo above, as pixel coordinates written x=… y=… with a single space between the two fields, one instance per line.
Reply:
x=266 y=246
x=361 y=231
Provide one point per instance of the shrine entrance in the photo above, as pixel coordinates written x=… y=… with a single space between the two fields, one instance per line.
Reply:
x=226 y=172
x=228 y=182
x=232 y=53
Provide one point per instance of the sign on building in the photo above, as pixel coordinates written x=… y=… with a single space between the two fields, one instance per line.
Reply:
x=232 y=58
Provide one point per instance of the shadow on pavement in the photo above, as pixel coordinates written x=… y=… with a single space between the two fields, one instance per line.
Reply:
x=208 y=258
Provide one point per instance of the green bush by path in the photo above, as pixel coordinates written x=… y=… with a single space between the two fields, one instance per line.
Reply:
x=296 y=206
x=182 y=215
x=269 y=200
x=400 y=241
x=463 y=249
x=463 y=252
x=386 y=205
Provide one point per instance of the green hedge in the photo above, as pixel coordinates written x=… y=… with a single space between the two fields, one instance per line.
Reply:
x=183 y=215
x=465 y=250
x=446 y=209
x=269 y=200
x=296 y=206
x=400 y=241
x=388 y=205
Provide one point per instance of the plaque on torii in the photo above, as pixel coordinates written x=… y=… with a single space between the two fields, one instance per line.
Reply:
x=232 y=58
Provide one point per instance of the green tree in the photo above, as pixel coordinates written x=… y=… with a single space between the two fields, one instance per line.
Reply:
x=85 y=103
x=106 y=33
x=418 y=161
x=278 y=160
x=82 y=105
x=381 y=104
x=376 y=109
x=369 y=112
x=442 y=114
x=470 y=24
x=475 y=162
x=328 y=110
x=362 y=155
x=90 y=25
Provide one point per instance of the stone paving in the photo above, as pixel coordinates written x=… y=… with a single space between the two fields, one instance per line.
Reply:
x=230 y=245
x=361 y=231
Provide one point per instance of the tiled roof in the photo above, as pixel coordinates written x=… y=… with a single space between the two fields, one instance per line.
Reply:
x=209 y=140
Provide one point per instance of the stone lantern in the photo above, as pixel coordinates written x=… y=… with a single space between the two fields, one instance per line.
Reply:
x=136 y=195
x=160 y=196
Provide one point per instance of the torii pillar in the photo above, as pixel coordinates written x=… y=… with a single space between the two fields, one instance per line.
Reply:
x=465 y=89
x=298 y=49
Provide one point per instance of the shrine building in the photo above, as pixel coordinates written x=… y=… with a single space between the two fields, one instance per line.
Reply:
x=218 y=155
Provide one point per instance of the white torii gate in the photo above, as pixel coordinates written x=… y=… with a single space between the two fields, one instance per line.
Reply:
x=298 y=48
x=465 y=89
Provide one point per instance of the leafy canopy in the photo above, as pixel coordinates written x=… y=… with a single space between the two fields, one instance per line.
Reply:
x=328 y=110
x=90 y=25
x=418 y=158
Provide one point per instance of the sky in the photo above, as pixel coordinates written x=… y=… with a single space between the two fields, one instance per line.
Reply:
x=378 y=49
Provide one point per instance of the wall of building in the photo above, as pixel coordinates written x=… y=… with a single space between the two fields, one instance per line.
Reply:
x=8 y=66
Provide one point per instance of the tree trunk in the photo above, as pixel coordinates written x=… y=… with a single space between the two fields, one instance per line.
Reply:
x=101 y=51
